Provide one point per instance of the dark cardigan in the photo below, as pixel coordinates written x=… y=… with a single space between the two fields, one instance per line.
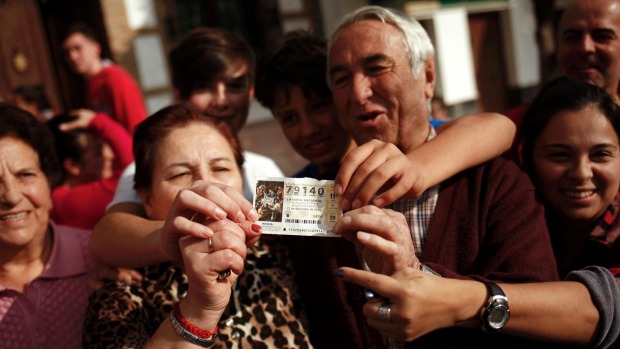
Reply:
x=487 y=225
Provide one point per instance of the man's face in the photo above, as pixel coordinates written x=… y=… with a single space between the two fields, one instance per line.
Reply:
x=374 y=90
x=589 y=43
x=227 y=98
x=82 y=53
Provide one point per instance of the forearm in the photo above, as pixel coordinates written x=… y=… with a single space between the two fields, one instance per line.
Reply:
x=463 y=143
x=167 y=337
x=559 y=312
x=127 y=240
x=552 y=311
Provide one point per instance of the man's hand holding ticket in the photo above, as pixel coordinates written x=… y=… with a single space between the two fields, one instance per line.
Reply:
x=296 y=206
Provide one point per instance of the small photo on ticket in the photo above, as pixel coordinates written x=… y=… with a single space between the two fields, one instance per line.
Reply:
x=296 y=206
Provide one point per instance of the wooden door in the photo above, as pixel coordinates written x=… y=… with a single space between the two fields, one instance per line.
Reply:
x=24 y=53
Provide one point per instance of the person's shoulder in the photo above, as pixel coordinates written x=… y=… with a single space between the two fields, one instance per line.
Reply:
x=60 y=192
x=70 y=242
x=112 y=68
x=310 y=170
x=499 y=163
x=260 y=163
x=66 y=232
x=495 y=172
x=255 y=157
x=516 y=113
x=114 y=71
x=256 y=165
x=504 y=164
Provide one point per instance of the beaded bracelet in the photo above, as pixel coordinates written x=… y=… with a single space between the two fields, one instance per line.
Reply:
x=190 y=332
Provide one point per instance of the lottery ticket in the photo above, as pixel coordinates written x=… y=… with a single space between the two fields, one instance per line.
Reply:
x=296 y=206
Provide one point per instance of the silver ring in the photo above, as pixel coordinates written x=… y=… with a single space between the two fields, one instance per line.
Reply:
x=384 y=312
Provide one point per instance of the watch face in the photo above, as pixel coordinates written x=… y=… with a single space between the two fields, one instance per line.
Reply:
x=498 y=316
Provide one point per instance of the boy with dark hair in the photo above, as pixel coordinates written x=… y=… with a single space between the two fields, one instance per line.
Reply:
x=212 y=71
x=291 y=83
x=110 y=89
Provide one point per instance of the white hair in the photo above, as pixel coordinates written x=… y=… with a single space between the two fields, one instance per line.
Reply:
x=418 y=45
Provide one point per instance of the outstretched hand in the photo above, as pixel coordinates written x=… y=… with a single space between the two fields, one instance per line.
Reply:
x=377 y=169
x=84 y=117
x=419 y=303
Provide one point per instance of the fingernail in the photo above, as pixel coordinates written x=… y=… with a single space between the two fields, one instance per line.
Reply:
x=370 y=294
x=345 y=220
x=344 y=204
x=356 y=203
x=253 y=215
x=219 y=213
x=257 y=228
x=338 y=189
x=363 y=236
x=206 y=232
x=339 y=273
x=378 y=202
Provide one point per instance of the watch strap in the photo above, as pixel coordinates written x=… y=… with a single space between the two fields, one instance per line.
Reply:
x=497 y=298
x=495 y=290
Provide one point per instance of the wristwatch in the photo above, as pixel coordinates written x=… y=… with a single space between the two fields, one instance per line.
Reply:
x=495 y=313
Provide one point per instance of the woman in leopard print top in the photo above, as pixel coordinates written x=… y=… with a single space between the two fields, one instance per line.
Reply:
x=175 y=149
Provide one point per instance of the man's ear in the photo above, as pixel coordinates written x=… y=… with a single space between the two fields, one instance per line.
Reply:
x=145 y=196
x=430 y=78
x=72 y=167
x=97 y=48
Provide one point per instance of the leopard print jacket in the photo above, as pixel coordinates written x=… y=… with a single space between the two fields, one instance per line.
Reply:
x=264 y=311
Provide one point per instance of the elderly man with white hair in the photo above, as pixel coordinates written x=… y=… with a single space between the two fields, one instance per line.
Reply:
x=483 y=223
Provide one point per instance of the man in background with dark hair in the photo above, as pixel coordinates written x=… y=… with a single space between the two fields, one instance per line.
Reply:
x=111 y=89
x=588 y=51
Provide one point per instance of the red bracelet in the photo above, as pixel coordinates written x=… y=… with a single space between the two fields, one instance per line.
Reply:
x=191 y=328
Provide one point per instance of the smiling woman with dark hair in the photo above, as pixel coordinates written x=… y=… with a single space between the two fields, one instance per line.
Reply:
x=44 y=267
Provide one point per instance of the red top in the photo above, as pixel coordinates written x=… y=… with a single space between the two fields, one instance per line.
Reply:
x=82 y=206
x=114 y=92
